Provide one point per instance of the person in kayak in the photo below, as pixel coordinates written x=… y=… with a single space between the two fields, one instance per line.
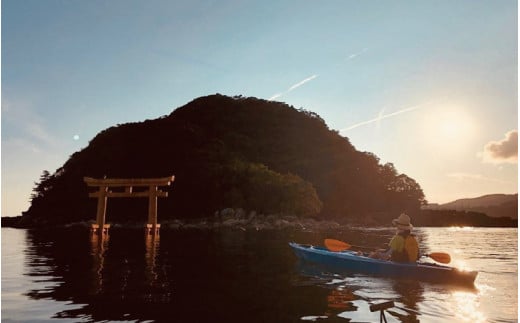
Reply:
x=403 y=247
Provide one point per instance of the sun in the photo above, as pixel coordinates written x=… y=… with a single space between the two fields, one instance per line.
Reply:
x=453 y=125
x=449 y=127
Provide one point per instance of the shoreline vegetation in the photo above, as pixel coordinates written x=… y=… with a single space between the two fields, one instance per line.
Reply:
x=252 y=221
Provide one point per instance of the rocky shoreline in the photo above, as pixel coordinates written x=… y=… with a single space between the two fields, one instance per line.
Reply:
x=251 y=220
x=224 y=219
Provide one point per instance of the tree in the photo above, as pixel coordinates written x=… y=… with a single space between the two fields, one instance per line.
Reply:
x=254 y=186
x=41 y=187
x=406 y=193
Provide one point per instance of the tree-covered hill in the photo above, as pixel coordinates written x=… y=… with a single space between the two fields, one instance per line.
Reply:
x=225 y=152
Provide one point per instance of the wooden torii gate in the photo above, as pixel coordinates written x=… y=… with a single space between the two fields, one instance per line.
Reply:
x=105 y=186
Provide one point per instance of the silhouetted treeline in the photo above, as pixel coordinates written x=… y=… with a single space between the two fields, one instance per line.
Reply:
x=228 y=153
x=442 y=218
x=436 y=218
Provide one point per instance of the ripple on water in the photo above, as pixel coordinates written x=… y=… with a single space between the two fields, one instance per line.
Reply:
x=66 y=277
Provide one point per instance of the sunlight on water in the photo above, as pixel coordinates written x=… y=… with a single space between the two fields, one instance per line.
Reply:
x=313 y=318
x=493 y=253
x=467 y=307
x=462 y=265
x=455 y=229
x=484 y=289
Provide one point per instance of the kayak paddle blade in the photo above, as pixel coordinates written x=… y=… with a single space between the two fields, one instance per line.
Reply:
x=336 y=245
x=441 y=257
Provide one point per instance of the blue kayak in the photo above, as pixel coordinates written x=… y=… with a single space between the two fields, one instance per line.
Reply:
x=351 y=261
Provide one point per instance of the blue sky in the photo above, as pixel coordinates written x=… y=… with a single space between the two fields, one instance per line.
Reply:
x=430 y=86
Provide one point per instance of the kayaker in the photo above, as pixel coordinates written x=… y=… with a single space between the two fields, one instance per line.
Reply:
x=403 y=247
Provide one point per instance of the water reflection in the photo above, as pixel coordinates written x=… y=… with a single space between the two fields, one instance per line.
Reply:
x=237 y=276
x=99 y=245
x=113 y=278
x=186 y=276
x=351 y=294
x=341 y=298
x=152 y=245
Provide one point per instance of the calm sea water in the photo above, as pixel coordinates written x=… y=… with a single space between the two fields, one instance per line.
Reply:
x=242 y=276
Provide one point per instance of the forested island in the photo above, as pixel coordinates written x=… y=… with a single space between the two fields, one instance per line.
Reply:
x=233 y=153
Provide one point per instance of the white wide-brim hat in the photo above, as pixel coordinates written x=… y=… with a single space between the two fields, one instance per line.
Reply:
x=402 y=222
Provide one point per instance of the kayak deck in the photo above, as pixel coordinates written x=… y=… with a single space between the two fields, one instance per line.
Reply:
x=352 y=262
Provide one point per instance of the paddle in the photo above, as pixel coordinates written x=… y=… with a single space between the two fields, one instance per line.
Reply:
x=441 y=257
x=337 y=246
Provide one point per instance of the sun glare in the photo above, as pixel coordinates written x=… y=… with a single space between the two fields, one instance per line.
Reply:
x=454 y=124
x=449 y=127
x=467 y=307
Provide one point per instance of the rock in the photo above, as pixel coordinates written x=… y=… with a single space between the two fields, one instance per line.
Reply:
x=240 y=213
x=229 y=212
x=233 y=222
x=174 y=224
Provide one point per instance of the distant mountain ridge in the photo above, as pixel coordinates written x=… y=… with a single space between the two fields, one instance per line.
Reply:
x=494 y=205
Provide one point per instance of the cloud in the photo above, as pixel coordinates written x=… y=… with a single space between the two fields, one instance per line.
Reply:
x=382 y=116
x=294 y=87
x=20 y=145
x=502 y=151
x=30 y=125
x=475 y=177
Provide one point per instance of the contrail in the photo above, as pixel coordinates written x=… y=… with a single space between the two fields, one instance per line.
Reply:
x=276 y=96
x=312 y=77
x=294 y=87
x=297 y=85
x=357 y=54
x=383 y=116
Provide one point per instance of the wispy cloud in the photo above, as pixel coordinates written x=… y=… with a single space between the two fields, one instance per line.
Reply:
x=31 y=126
x=294 y=87
x=382 y=116
x=475 y=177
x=502 y=151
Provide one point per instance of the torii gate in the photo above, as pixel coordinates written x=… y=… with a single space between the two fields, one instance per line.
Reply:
x=104 y=192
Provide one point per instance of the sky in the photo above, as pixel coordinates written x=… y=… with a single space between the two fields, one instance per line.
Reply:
x=429 y=86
